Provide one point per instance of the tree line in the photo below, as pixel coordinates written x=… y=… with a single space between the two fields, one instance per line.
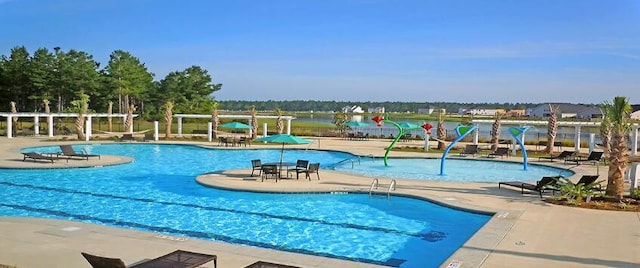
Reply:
x=335 y=106
x=32 y=81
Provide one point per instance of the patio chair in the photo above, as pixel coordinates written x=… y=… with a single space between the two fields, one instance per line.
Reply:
x=178 y=258
x=501 y=152
x=68 y=151
x=256 y=164
x=470 y=149
x=37 y=156
x=313 y=168
x=546 y=183
x=593 y=158
x=562 y=156
x=270 y=171
x=264 y=264
x=300 y=166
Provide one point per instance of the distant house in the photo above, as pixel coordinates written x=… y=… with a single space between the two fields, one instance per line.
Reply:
x=430 y=110
x=376 y=110
x=567 y=110
x=515 y=113
x=479 y=111
x=635 y=114
x=353 y=109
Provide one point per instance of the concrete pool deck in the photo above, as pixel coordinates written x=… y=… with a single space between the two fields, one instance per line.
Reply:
x=525 y=232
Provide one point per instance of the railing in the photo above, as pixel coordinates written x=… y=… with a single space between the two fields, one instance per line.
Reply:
x=392 y=185
x=374 y=185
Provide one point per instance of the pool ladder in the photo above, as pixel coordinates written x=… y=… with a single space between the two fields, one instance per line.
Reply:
x=376 y=183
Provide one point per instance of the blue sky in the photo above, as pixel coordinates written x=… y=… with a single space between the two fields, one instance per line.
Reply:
x=579 y=51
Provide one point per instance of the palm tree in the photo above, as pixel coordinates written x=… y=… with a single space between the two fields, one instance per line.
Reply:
x=168 y=118
x=279 y=123
x=552 y=127
x=442 y=132
x=618 y=117
x=495 y=131
x=80 y=106
x=109 y=113
x=254 y=123
x=215 y=120
x=128 y=123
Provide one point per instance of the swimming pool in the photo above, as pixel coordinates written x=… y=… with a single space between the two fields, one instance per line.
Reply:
x=469 y=170
x=158 y=193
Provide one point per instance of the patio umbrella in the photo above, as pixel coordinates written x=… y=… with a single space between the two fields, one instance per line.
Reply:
x=284 y=139
x=408 y=125
x=356 y=124
x=235 y=125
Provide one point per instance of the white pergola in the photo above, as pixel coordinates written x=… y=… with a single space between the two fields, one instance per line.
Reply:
x=248 y=117
x=577 y=128
x=50 y=116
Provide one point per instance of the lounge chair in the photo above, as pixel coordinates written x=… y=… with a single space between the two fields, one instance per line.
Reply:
x=562 y=156
x=264 y=264
x=501 y=152
x=178 y=258
x=68 y=151
x=546 y=183
x=38 y=156
x=471 y=149
x=256 y=164
x=313 y=168
x=127 y=137
x=589 y=179
x=593 y=158
x=270 y=171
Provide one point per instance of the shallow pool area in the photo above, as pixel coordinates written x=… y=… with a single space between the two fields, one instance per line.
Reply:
x=461 y=170
x=158 y=193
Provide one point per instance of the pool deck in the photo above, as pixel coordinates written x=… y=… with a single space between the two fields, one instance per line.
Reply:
x=525 y=231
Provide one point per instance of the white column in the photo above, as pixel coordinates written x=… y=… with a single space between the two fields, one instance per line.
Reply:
x=155 y=130
x=264 y=130
x=87 y=132
x=9 y=127
x=50 y=123
x=289 y=126
x=576 y=139
x=634 y=139
x=209 y=131
x=36 y=125
x=592 y=142
x=476 y=135
x=180 y=127
x=426 y=142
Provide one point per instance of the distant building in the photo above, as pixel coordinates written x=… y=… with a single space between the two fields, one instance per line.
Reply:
x=567 y=110
x=635 y=114
x=376 y=110
x=479 y=111
x=430 y=110
x=353 y=109
x=515 y=113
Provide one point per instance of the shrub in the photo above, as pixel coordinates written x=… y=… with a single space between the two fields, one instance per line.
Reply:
x=577 y=193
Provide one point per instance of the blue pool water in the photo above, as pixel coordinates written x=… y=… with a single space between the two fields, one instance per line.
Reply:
x=472 y=170
x=158 y=193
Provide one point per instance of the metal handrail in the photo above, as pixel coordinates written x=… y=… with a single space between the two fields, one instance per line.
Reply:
x=374 y=184
x=392 y=185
